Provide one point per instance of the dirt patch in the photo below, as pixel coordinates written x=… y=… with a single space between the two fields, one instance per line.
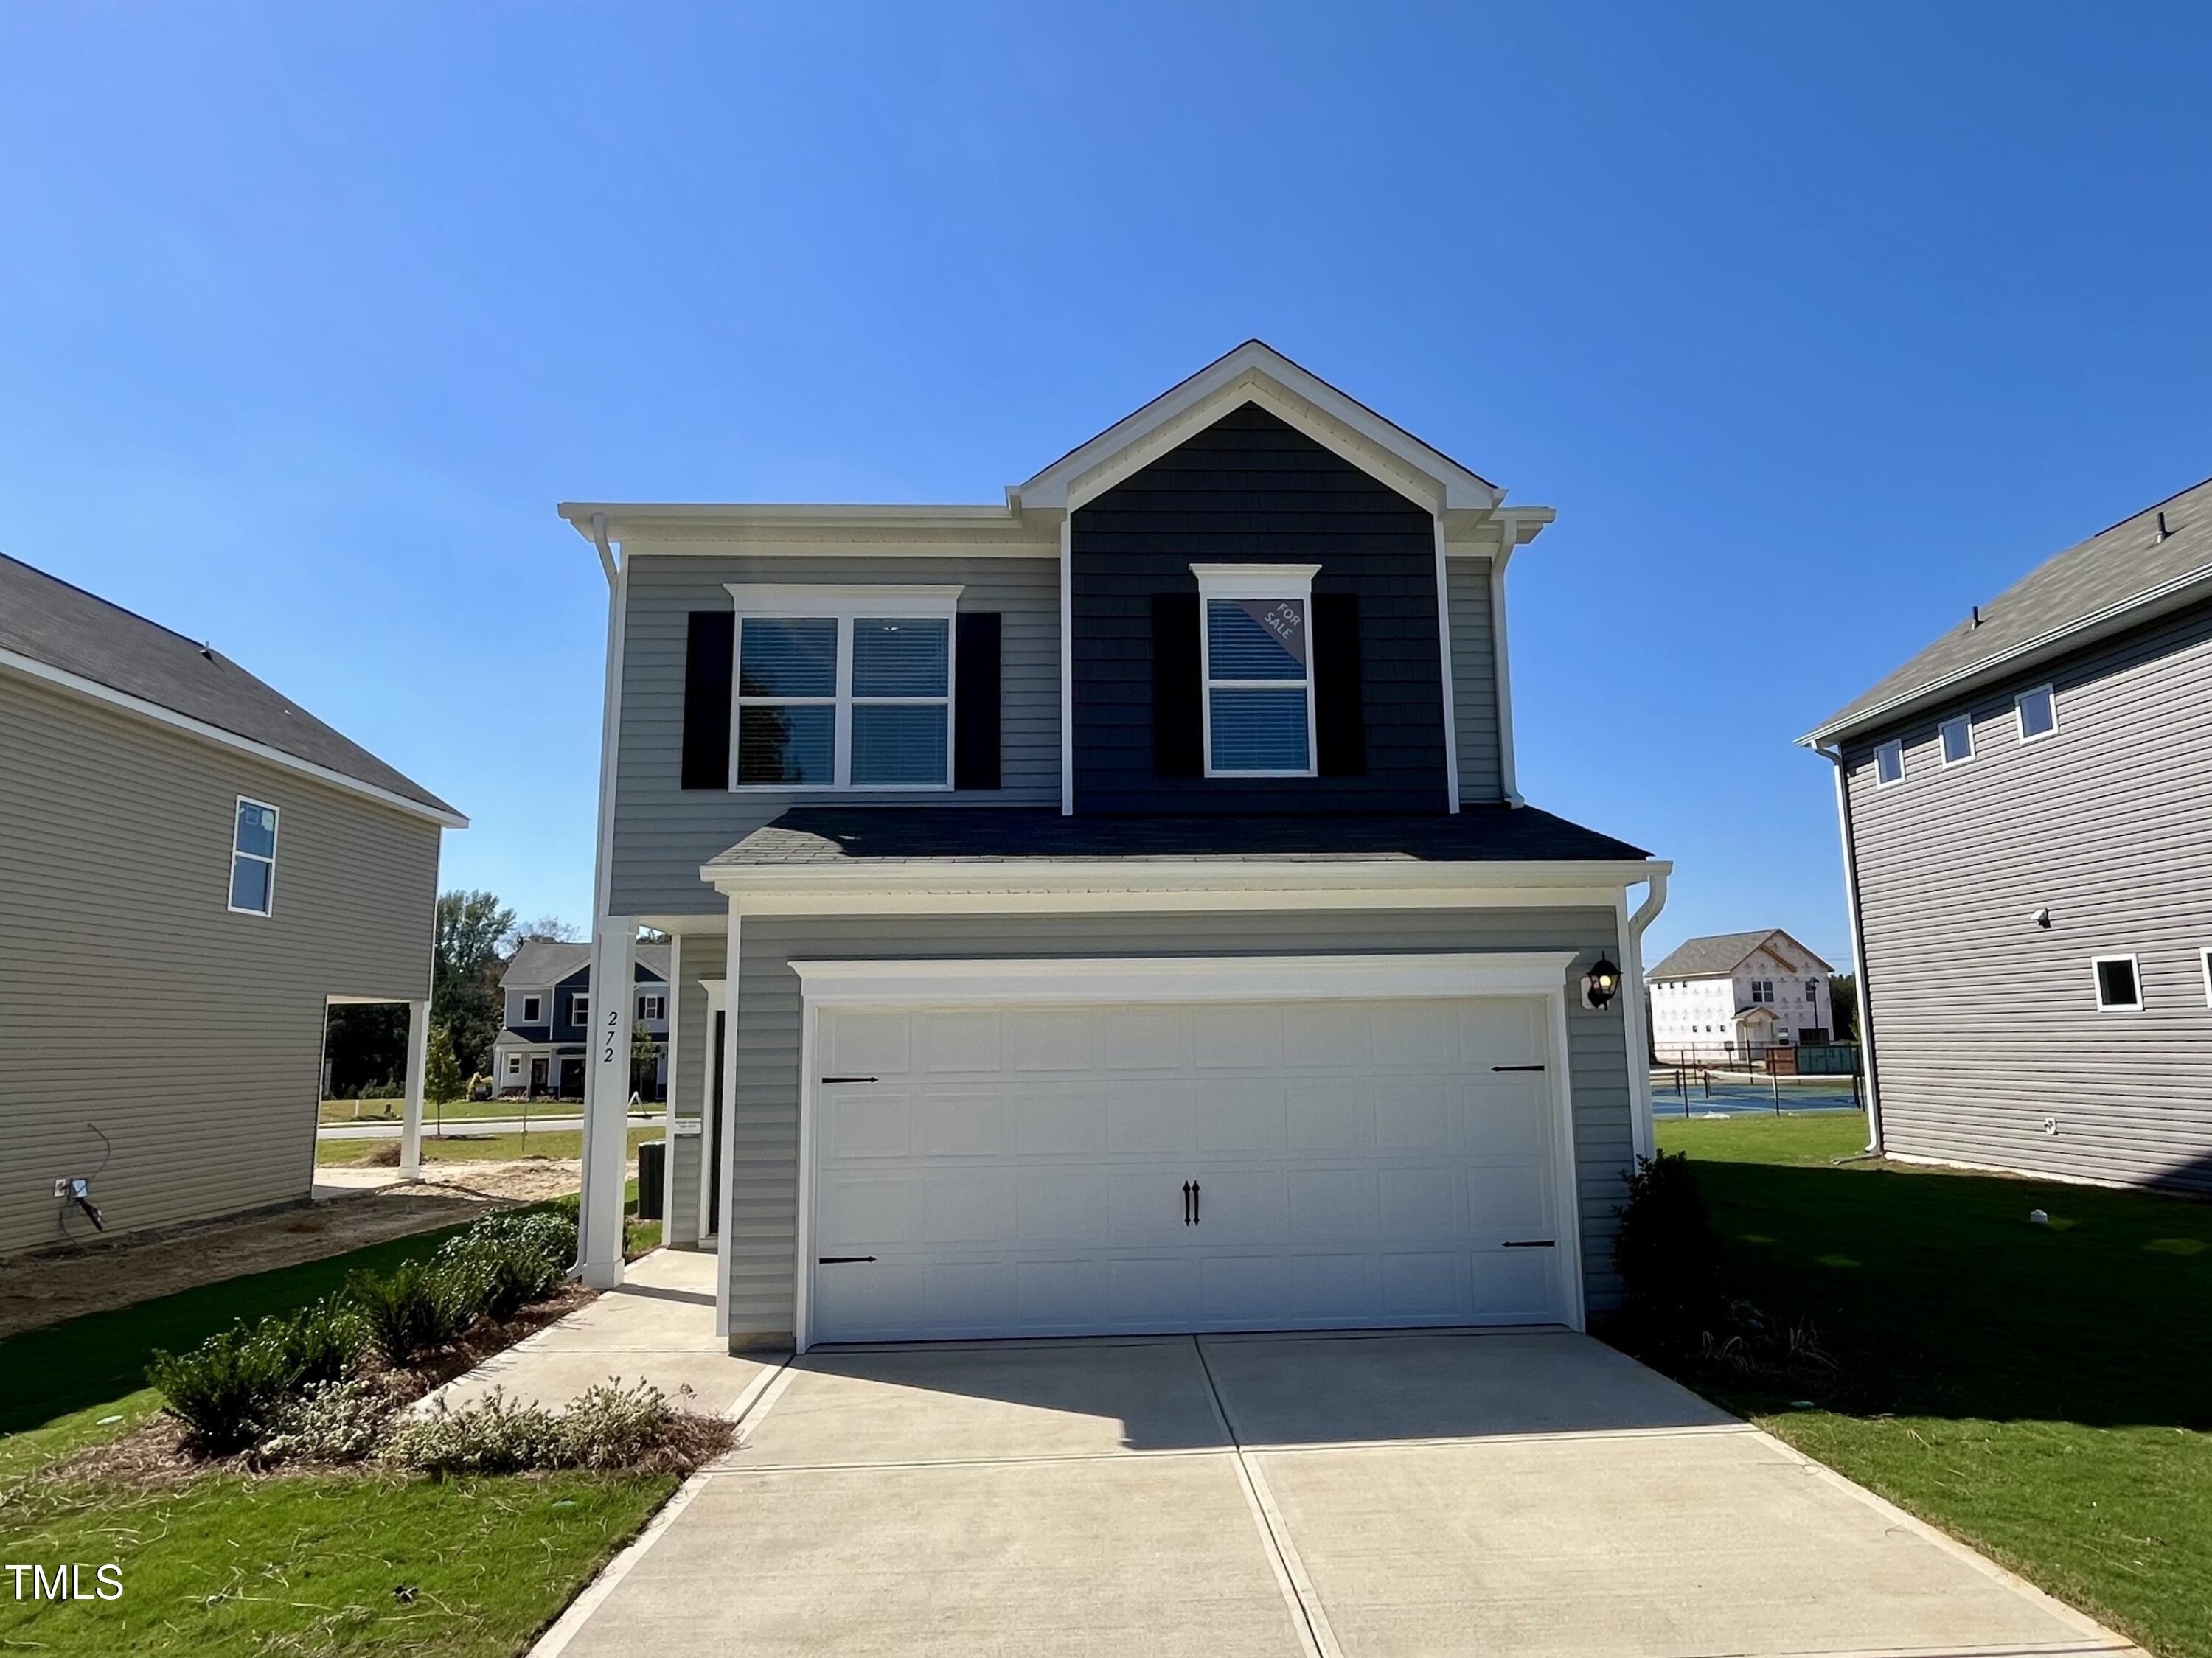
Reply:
x=513 y=1179
x=46 y=1286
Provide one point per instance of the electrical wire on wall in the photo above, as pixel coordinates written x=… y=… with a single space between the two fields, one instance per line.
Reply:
x=75 y=1191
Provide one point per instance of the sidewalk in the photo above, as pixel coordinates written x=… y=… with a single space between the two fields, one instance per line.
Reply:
x=659 y=1327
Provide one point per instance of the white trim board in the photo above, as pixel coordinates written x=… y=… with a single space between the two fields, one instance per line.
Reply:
x=32 y=668
x=1112 y=876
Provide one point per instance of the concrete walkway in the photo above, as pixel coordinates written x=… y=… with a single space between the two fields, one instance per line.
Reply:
x=1532 y=1493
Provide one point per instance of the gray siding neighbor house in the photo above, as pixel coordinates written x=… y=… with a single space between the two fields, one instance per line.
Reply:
x=546 y=991
x=192 y=869
x=2027 y=815
x=1112 y=910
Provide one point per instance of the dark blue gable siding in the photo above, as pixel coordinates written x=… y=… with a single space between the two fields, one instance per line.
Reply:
x=1250 y=488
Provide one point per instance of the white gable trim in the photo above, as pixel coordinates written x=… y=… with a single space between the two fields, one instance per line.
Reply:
x=1256 y=373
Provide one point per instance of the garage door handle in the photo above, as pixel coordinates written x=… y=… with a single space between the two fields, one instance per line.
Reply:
x=1186 y=1203
x=1494 y=1067
x=847 y=1079
x=1529 y=1243
x=1195 y=1189
x=841 y=1260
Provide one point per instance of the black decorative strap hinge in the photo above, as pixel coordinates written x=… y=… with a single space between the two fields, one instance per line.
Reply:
x=1530 y=1243
x=827 y=1080
x=841 y=1260
x=1517 y=1067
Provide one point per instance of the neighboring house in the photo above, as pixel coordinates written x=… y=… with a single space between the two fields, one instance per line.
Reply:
x=1733 y=995
x=2026 y=816
x=547 y=989
x=192 y=869
x=1112 y=909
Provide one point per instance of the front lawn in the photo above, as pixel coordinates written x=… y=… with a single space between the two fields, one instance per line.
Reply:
x=2040 y=1391
x=316 y=1563
x=465 y=1147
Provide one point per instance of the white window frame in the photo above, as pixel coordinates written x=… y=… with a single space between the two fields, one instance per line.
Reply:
x=230 y=869
x=1236 y=581
x=843 y=604
x=528 y=1017
x=652 y=1005
x=514 y=1065
x=2097 y=985
x=1964 y=722
x=2020 y=718
x=2204 y=959
x=1895 y=746
x=579 y=1008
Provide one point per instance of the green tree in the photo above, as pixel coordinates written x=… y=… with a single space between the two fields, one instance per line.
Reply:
x=1844 y=998
x=644 y=1061
x=464 y=1002
x=441 y=1078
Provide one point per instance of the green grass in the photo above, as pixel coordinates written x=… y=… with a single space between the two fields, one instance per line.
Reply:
x=338 y=1111
x=457 y=1569
x=2043 y=1392
x=474 y=1148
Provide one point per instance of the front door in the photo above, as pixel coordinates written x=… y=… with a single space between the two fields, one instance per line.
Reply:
x=536 y=1077
x=572 y=1079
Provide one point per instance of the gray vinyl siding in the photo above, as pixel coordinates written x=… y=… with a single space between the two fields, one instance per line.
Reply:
x=703 y=957
x=1986 y=1025
x=663 y=832
x=1475 y=679
x=132 y=999
x=764 y=1245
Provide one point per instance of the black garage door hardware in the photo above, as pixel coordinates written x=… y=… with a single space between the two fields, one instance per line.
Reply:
x=841 y=1260
x=848 y=1079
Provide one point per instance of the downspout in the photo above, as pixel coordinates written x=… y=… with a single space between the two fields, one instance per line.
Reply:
x=1639 y=1064
x=1508 y=530
x=1835 y=757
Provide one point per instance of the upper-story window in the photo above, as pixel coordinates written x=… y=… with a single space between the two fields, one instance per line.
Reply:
x=1255 y=651
x=844 y=687
x=254 y=859
x=1958 y=739
x=1762 y=990
x=2037 y=711
x=653 y=1007
x=1889 y=764
x=579 y=1008
x=1812 y=990
x=533 y=1009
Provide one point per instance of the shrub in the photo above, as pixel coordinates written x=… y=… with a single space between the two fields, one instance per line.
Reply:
x=504 y=1261
x=331 y=1422
x=229 y=1391
x=407 y=1313
x=1666 y=1253
x=609 y=1427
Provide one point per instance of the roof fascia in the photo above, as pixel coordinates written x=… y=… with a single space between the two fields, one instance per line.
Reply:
x=1164 y=874
x=1257 y=372
x=2153 y=602
x=31 y=667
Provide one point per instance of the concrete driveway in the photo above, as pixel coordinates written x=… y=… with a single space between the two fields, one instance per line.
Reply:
x=1534 y=1494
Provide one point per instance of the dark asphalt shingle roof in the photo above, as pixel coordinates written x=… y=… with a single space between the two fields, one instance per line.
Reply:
x=2109 y=569
x=846 y=836
x=64 y=627
x=548 y=960
x=1719 y=953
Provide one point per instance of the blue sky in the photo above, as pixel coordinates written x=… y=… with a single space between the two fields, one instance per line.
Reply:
x=1817 y=325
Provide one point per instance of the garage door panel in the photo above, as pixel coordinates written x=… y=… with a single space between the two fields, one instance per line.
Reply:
x=963 y=1123
x=1337 y=1115
x=1360 y=1163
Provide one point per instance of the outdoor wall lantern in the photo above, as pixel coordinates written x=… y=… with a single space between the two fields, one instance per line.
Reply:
x=1601 y=983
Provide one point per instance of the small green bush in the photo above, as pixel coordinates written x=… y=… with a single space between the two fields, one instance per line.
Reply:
x=609 y=1426
x=505 y=1261
x=408 y=1312
x=229 y=1390
x=1666 y=1253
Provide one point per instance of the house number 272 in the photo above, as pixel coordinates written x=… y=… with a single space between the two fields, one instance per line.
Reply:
x=607 y=1053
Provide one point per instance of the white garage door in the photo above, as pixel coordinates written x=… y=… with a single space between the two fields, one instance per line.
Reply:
x=1042 y=1170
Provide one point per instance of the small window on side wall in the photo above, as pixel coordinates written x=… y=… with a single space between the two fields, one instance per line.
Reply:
x=2119 y=988
x=1958 y=739
x=532 y=1009
x=254 y=859
x=2037 y=711
x=2204 y=959
x=1889 y=764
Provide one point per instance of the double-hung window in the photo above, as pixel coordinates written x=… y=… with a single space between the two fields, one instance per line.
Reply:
x=1255 y=650
x=2037 y=712
x=844 y=687
x=533 y=1010
x=1957 y=736
x=579 y=1009
x=1889 y=764
x=653 y=1007
x=254 y=859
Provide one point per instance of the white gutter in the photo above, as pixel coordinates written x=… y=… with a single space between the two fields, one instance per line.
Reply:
x=1639 y=1033
x=1835 y=758
x=1509 y=529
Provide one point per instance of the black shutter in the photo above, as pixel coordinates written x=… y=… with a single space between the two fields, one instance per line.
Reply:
x=1178 y=737
x=709 y=655
x=976 y=702
x=1339 y=714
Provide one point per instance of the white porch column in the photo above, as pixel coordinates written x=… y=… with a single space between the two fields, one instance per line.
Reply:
x=606 y=1099
x=418 y=1066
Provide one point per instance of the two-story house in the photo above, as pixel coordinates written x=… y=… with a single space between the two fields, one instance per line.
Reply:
x=2026 y=820
x=1112 y=909
x=1737 y=996
x=547 y=993
x=193 y=869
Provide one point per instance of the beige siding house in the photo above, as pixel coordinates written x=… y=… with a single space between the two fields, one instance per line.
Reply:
x=1112 y=910
x=2027 y=813
x=192 y=869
